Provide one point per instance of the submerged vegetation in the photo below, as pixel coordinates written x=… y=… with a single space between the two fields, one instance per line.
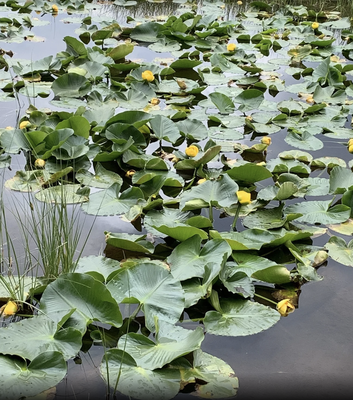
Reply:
x=191 y=149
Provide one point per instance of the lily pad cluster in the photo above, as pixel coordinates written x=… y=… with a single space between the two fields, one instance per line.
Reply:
x=184 y=148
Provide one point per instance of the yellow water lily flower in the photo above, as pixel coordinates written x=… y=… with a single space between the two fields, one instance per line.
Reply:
x=147 y=76
x=130 y=173
x=315 y=25
x=154 y=101
x=239 y=3
x=9 y=128
x=200 y=181
x=310 y=99
x=191 y=151
x=350 y=148
x=231 y=47
x=24 y=124
x=55 y=8
x=285 y=307
x=243 y=197
x=10 y=308
x=350 y=142
x=39 y=163
x=266 y=140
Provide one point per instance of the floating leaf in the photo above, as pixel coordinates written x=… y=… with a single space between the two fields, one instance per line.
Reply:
x=18 y=380
x=240 y=318
x=158 y=292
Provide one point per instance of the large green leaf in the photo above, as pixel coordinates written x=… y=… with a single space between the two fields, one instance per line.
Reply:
x=119 y=368
x=151 y=285
x=319 y=212
x=90 y=298
x=197 y=288
x=99 y=267
x=109 y=202
x=271 y=218
x=340 y=251
x=240 y=318
x=80 y=125
x=341 y=179
x=64 y=194
x=164 y=128
x=102 y=178
x=219 y=193
x=42 y=334
x=218 y=377
x=188 y=259
x=249 y=173
x=14 y=140
x=171 y=342
x=129 y=242
x=19 y=380
x=304 y=140
x=222 y=102
x=71 y=85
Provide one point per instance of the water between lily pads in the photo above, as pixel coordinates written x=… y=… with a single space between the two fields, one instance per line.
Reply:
x=306 y=355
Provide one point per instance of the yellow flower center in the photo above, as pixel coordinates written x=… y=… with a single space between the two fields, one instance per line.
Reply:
x=244 y=197
x=147 y=76
x=191 y=151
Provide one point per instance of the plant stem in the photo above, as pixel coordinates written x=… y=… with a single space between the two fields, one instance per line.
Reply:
x=265 y=298
x=234 y=224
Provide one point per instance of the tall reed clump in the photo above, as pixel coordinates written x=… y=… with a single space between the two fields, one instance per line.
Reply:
x=43 y=240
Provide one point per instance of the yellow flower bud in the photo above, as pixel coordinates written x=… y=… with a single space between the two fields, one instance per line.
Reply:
x=191 y=151
x=244 y=197
x=200 y=181
x=315 y=25
x=231 y=47
x=55 y=8
x=39 y=163
x=266 y=140
x=285 y=307
x=9 y=128
x=350 y=142
x=10 y=308
x=350 y=148
x=24 y=124
x=130 y=173
x=154 y=101
x=239 y=3
x=310 y=99
x=147 y=76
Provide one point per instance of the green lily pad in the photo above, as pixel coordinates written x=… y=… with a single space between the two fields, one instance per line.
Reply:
x=240 y=318
x=153 y=287
x=19 y=379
